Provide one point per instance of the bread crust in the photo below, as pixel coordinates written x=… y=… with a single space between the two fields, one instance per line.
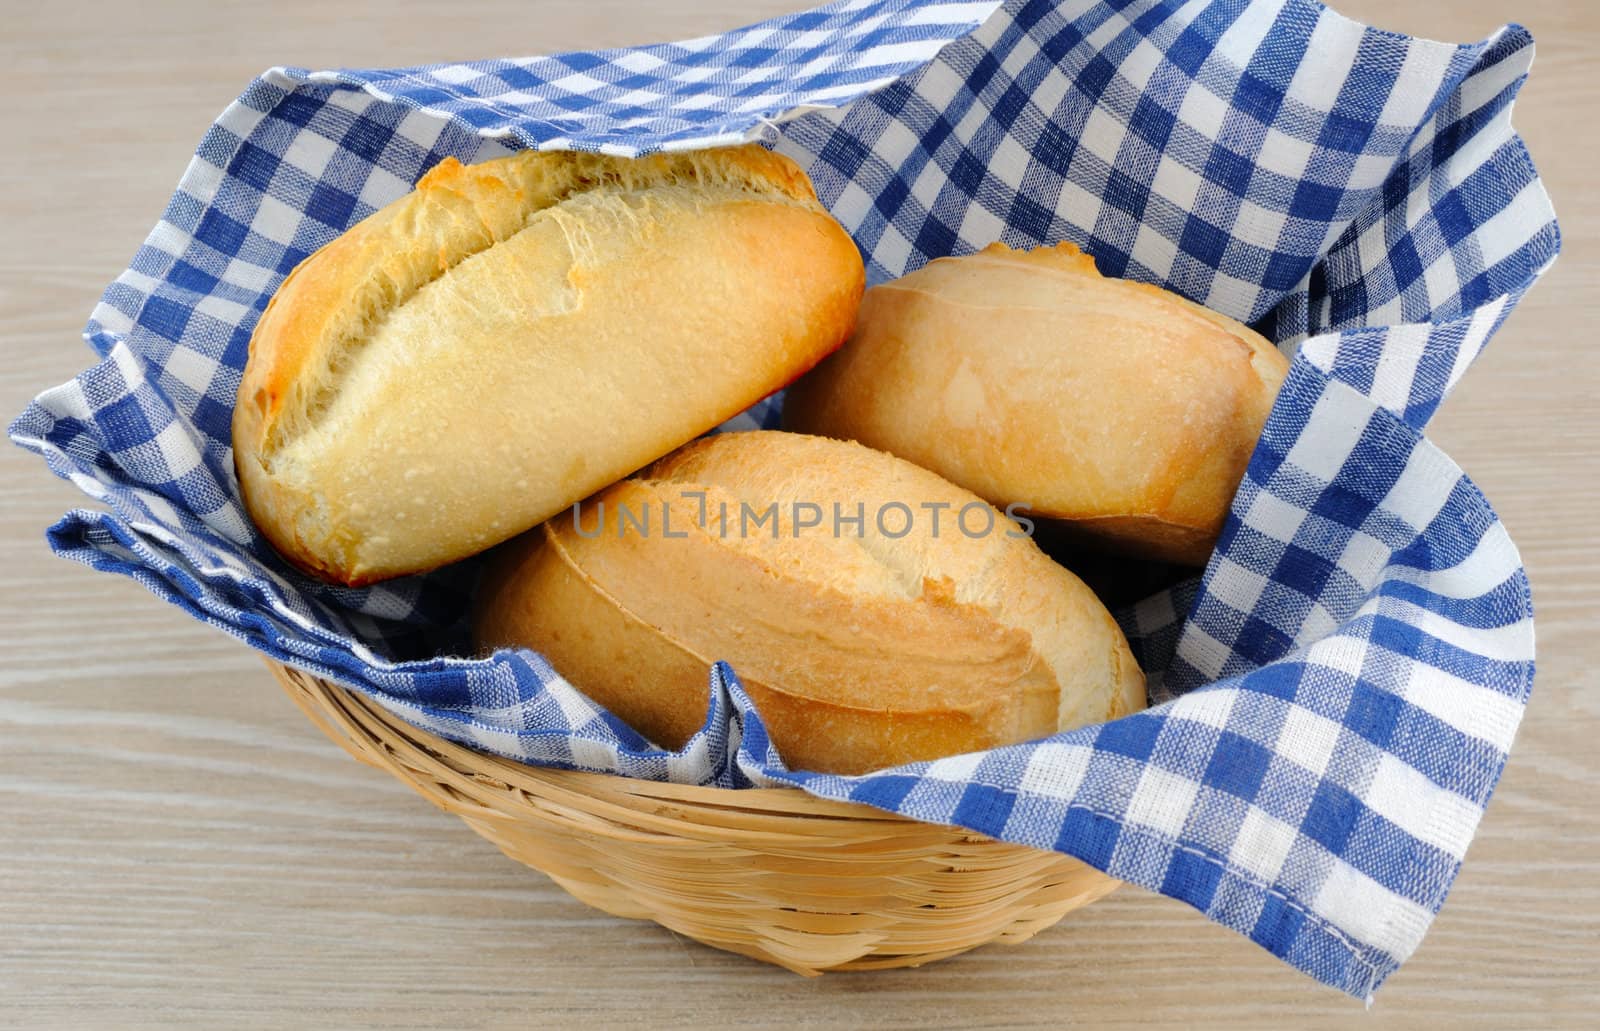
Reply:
x=1028 y=378
x=513 y=335
x=860 y=653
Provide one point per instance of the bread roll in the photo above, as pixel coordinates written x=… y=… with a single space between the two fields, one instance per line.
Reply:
x=862 y=648
x=1029 y=378
x=514 y=335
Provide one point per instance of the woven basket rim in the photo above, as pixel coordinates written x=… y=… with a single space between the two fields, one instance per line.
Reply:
x=630 y=791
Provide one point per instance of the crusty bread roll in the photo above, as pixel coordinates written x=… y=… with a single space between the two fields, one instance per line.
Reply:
x=862 y=648
x=1029 y=378
x=514 y=335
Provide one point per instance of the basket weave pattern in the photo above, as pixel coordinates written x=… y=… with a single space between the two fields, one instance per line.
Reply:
x=775 y=874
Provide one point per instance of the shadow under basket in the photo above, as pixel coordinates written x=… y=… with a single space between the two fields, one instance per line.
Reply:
x=775 y=874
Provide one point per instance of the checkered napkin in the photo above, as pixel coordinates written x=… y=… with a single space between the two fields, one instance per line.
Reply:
x=1337 y=694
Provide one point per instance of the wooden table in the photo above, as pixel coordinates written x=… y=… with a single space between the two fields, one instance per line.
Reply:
x=178 y=847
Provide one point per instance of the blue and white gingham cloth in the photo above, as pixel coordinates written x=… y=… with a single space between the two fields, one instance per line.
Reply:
x=1336 y=696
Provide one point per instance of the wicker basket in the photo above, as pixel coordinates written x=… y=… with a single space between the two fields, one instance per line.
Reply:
x=776 y=874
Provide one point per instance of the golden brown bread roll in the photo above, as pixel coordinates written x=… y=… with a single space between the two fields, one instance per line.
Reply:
x=862 y=648
x=1029 y=378
x=514 y=335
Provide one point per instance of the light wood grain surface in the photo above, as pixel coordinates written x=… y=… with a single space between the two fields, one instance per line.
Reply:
x=178 y=847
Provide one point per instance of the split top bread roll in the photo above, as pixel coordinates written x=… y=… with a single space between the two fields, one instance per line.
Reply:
x=1029 y=378
x=514 y=335
x=863 y=644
